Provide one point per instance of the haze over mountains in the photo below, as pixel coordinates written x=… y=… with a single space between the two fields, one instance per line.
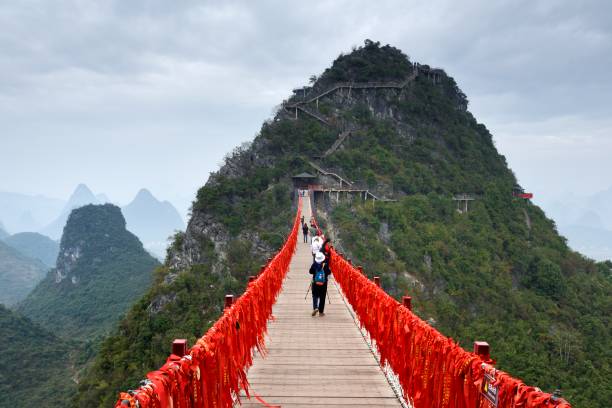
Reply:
x=80 y=197
x=586 y=221
x=19 y=274
x=35 y=246
x=22 y=212
x=3 y=233
x=152 y=220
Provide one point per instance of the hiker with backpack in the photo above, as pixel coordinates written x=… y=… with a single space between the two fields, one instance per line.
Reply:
x=305 y=232
x=320 y=272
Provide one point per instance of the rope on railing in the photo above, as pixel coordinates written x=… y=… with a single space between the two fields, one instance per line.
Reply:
x=213 y=372
x=433 y=370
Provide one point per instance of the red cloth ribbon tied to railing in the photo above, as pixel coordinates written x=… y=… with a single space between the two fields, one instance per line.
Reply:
x=214 y=371
x=433 y=370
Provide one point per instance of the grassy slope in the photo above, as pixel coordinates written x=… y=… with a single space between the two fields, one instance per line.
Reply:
x=36 y=364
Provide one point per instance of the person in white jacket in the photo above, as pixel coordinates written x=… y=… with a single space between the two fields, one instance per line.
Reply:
x=316 y=244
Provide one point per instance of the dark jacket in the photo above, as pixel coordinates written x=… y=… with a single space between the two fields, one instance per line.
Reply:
x=305 y=229
x=314 y=267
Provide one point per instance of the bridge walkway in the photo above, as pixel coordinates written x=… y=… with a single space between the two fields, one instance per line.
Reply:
x=315 y=361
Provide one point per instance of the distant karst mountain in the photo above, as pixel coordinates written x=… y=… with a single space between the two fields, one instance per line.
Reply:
x=103 y=198
x=3 y=233
x=153 y=221
x=22 y=212
x=36 y=246
x=81 y=196
x=19 y=274
x=36 y=365
x=586 y=221
x=101 y=270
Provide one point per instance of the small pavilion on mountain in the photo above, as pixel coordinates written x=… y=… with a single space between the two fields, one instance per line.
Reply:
x=303 y=181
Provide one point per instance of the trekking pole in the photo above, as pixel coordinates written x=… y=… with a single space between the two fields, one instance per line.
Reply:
x=308 y=290
x=327 y=295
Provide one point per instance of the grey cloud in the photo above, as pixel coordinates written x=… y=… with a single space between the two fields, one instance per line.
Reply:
x=216 y=69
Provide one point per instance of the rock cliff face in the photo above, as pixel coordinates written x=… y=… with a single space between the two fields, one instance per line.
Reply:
x=206 y=228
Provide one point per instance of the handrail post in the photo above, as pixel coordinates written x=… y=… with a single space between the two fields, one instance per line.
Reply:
x=252 y=278
x=229 y=300
x=377 y=281
x=360 y=269
x=483 y=350
x=407 y=302
x=179 y=347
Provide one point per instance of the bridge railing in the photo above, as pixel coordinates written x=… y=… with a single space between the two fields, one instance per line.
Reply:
x=213 y=371
x=433 y=370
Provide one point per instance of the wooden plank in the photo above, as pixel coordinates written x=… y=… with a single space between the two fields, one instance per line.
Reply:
x=320 y=361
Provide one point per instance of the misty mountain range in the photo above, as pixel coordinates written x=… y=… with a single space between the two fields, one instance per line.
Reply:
x=586 y=221
x=150 y=219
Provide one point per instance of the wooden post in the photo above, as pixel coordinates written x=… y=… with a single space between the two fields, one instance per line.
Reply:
x=407 y=302
x=229 y=299
x=482 y=349
x=179 y=347
x=377 y=281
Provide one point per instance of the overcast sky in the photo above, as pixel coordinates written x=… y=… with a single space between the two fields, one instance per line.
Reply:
x=128 y=94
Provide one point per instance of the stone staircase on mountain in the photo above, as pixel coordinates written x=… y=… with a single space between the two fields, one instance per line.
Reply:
x=302 y=105
x=353 y=85
x=324 y=172
x=341 y=138
x=313 y=113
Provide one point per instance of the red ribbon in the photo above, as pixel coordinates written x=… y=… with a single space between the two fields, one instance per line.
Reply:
x=433 y=370
x=214 y=371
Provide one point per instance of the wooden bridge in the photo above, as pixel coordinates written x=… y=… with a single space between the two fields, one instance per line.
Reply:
x=321 y=361
x=327 y=361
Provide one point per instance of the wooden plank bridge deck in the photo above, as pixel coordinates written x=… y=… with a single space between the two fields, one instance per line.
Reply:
x=315 y=361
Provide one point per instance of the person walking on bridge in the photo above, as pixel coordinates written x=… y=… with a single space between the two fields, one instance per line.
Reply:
x=320 y=273
x=305 y=232
x=316 y=244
